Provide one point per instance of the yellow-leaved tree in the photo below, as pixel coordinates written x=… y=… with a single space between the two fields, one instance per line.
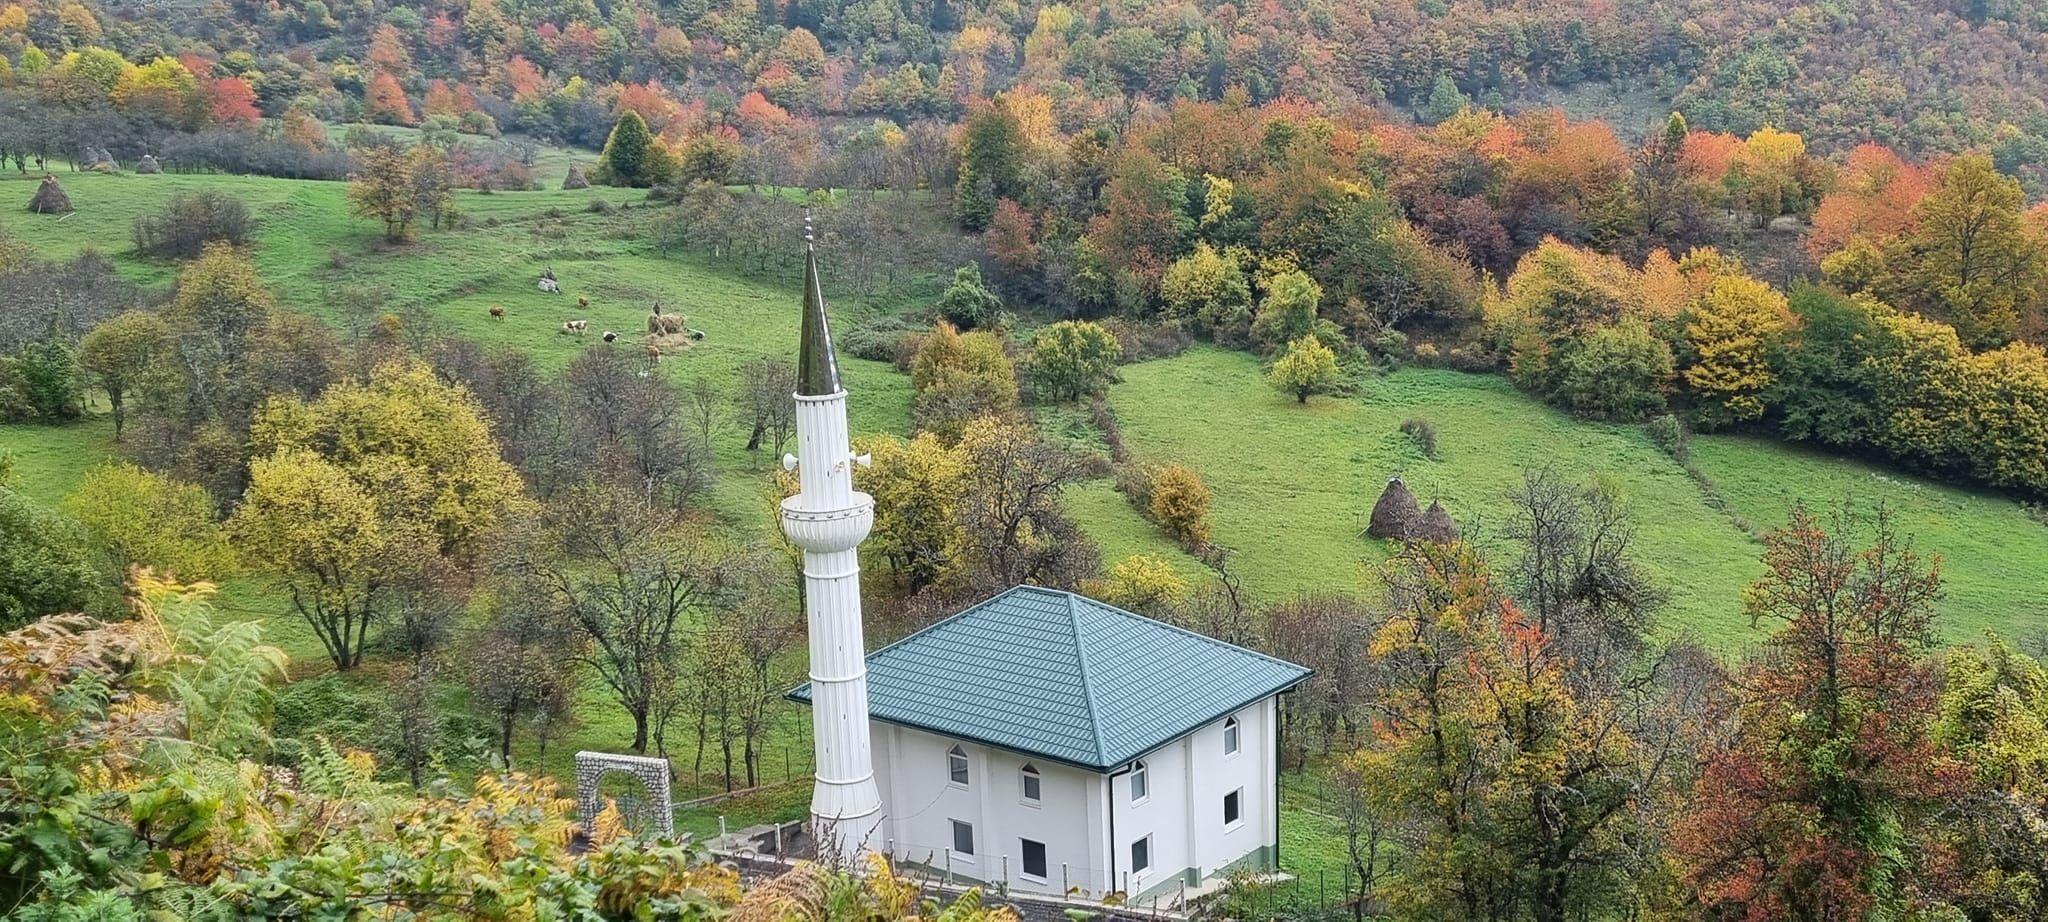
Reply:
x=1307 y=368
x=1728 y=334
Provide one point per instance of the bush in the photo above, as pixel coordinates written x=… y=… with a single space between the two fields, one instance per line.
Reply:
x=1180 y=505
x=1423 y=433
x=40 y=383
x=45 y=563
x=879 y=338
x=967 y=303
x=188 y=222
x=1073 y=359
x=1619 y=373
x=1670 y=435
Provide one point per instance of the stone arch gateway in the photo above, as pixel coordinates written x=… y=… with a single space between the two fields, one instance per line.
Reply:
x=591 y=767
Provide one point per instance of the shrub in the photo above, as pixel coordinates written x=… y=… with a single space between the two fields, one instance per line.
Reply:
x=1423 y=433
x=1180 y=505
x=1134 y=481
x=967 y=303
x=1670 y=435
x=1619 y=372
x=188 y=222
x=1306 y=369
x=1072 y=359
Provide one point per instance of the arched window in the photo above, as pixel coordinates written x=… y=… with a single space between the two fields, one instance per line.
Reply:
x=1030 y=779
x=1140 y=789
x=1230 y=736
x=956 y=765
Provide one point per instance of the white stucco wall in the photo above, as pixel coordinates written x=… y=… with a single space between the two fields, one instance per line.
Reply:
x=1080 y=809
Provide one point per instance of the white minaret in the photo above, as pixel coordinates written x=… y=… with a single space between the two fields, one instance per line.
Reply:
x=828 y=519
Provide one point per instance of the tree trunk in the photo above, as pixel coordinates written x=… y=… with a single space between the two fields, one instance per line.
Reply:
x=505 y=737
x=640 y=730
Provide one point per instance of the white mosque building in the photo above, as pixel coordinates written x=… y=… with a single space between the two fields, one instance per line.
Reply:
x=1040 y=739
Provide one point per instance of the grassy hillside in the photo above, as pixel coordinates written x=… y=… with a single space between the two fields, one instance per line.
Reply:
x=1293 y=487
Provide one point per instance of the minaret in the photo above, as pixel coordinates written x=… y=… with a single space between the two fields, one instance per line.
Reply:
x=828 y=519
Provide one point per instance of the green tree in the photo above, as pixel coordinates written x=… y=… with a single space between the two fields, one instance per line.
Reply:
x=119 y=352
x=1307 y=368
x=1620 y=372
x=991 y=164
x=142 y=518
x=1445 y=101
x=960 y=377
x=44 y=380
x=45 y=563
x=968 y=303
x=1973 y=260
x=633 y=156
x=1289 y=311
x=1072 y=359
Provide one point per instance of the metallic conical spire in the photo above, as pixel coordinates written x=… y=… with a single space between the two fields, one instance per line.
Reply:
x=817 y=367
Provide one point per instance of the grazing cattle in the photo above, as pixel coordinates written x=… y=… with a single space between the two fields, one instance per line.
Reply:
x=498 y=311
x=578 y=327
x=550 y=286
x=583 y=302
x=610 y=336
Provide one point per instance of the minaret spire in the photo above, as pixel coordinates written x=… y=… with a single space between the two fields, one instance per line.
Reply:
x=817 y=366
x=828 y=519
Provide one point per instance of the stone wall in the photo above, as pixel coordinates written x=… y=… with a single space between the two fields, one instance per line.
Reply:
x=591 y=767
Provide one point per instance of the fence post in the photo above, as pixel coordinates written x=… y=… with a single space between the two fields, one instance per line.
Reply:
x=1006 y=870
x=949 y=867
x=1065 y=887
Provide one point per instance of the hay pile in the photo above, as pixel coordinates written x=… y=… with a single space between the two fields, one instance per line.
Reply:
x=1436 y=526
x=50 y=197
x=1396 y=514
x=148 y=165
x=575 y=180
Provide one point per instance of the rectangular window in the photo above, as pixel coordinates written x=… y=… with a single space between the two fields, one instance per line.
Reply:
x=1032 y=791
x=1230 y=807
x=956 y=765
x=1141 y=854
x=1034 y=859
x=1230 y=736
x=1140 y=789
x=963 y=838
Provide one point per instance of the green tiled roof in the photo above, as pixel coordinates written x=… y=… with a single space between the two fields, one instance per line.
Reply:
x=1065 y=677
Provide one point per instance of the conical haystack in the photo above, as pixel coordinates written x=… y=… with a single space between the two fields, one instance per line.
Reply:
x=1396 y=514
x=148 y=164
x=50 y=197
x=1436 y=526
x=575 y=180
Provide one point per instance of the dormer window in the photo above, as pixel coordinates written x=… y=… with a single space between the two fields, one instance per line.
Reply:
x=1230 y=737
x=1033 y=791
x=956 y=765
x=1140 y=788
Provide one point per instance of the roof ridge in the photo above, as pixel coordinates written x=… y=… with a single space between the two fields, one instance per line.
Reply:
x=1198 y=635
x=1087 y=684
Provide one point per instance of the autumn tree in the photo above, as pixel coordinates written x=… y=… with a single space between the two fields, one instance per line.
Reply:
x=1180 y=504
x=1973 y=259
x=142 y=518
x=1209 y=289
x=1819 y=806
x=384 y=188
x=1306 y=369
x=917 y=486
x=1729 y=334
x=1143 y=583
x=959 y=377
x=1072 y=359
x=1290 y=310
x=119 y=352
x=1015 y=530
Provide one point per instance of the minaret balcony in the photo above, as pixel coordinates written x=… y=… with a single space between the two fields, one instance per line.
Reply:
x=825 y=531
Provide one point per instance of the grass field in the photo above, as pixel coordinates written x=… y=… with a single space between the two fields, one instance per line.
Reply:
x=1294 y=485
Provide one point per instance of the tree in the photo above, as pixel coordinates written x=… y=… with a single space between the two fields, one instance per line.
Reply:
x=1306 y=369
x=1289 y=311
x=960 y=377
x=967 y=303
x=1973 y=259
x=44 y=562
x=1617 y=372
x=119 y=352
x=632 y=156
x=1209 y=288
x=384 y=101
x=1729 y=333
x=764 y=403
x=1994 y=721
x=1015 y=530
x=147 y=519
x=1072 y=359
x=1142 y=583
x=917 y=486
x=418 y=444
x=520 y=669
x=385 y=188
x=635 y=583
x=1180 y=505
x=321 y=531
x=1819 y=804
x=991 y=164
x=1445 y=101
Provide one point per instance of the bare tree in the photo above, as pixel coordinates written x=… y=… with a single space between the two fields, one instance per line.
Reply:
x=764 y=401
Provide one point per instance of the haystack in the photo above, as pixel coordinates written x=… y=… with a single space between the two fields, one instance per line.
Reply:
x=575 y=180
x=1436 y=526
x=50 y=197
x=1396 y=514
x=665 y=324
x=148 y=165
